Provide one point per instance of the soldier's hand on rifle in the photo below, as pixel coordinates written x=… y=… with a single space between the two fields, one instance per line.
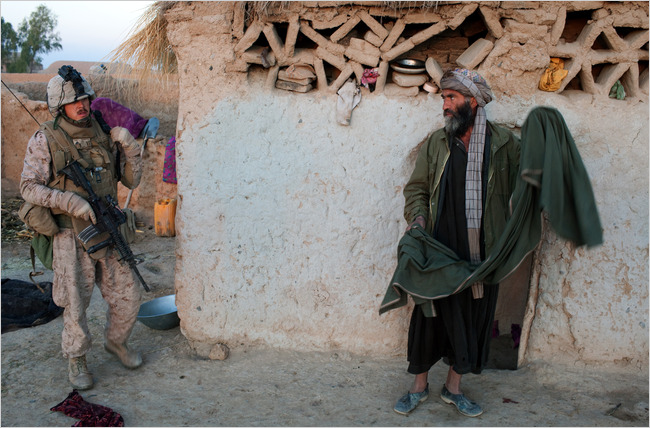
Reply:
x=77 y=206
x=126 y=140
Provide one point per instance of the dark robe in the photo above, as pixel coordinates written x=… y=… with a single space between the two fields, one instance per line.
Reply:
x=461 y=331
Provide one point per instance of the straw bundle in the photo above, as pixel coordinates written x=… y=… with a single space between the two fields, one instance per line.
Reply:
x=149 y=52
x=264 y=8
x=147 y=49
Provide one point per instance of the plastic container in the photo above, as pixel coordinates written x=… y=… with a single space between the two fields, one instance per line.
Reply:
x=165 y=217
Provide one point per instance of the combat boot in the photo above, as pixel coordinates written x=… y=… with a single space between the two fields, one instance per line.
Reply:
x=78 y=373
x=129 y=359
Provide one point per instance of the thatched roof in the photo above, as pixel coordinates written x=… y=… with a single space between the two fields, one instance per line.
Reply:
x=147 y=49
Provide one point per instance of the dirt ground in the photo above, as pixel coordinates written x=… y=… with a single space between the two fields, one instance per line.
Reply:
x=270 y=387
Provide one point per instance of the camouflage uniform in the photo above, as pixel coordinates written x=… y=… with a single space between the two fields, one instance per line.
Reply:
x=75 y=272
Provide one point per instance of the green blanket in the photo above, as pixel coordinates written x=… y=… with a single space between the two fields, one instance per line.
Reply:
x=552 y=178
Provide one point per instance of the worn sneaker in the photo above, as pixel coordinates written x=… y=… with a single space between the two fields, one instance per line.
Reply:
x=464 y=405
x=410 y=401
x=129 y=359
x=78 y=373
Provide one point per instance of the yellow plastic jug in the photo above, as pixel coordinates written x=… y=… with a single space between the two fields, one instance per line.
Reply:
x=165 y=217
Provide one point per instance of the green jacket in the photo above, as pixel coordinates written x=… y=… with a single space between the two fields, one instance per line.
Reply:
x=551 y=178
x=422 y=192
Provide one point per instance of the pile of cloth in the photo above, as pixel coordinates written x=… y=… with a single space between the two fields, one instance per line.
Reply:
x=89 y=414
x=24 y=305
x=116 y=114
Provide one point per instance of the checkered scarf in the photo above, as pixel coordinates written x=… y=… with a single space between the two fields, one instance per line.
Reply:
x=470 y=83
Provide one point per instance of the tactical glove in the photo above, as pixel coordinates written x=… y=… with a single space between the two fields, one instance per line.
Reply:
x=129 y=144
x=76 y=206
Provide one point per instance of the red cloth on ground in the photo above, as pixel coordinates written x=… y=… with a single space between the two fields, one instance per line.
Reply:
x=90 y=415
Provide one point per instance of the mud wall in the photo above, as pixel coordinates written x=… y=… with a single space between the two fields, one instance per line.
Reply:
x=18 y=126
x=288 y=221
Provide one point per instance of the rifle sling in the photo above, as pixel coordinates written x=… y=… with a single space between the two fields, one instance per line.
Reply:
x=34 y=273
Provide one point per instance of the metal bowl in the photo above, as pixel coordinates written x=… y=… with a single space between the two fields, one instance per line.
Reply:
x=159 y=313
x=408 y=66
x=410 y=63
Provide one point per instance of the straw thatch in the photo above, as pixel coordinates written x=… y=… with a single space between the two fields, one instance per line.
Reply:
x=265 y=8
x=147 y=50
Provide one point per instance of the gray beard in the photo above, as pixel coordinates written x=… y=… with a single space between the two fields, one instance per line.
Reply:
x=460 y=121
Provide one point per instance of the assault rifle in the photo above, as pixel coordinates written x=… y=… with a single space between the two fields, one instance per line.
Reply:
x=109 y=218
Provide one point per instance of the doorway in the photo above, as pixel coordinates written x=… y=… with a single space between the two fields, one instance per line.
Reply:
x=509 y=318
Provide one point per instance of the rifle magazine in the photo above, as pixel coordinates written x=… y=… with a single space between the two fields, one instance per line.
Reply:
x=88 y=233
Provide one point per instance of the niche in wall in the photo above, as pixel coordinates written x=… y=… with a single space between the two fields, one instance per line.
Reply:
x=343 y=42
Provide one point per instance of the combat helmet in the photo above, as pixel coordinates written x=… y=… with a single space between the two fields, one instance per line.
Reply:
x=67 y=87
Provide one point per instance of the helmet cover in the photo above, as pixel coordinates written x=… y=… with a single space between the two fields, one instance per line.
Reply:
x=67 y=87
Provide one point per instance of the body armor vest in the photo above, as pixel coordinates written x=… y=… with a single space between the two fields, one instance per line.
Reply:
x=93 y=149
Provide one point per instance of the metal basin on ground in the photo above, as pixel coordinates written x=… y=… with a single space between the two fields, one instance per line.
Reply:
x=159 y=313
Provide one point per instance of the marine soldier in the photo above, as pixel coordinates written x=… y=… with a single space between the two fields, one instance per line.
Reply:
x=107 y=156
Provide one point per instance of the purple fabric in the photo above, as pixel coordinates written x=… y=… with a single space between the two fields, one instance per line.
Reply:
x=169 y=167
x=495 y=328
x=515 y=330
x=116 y=114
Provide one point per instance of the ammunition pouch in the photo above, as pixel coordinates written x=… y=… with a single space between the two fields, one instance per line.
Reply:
x=79 y=224
x=38 y=218
x=128 y=228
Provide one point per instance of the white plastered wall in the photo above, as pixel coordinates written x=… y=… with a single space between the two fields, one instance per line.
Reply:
x=289 y=225
x=288 y=222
